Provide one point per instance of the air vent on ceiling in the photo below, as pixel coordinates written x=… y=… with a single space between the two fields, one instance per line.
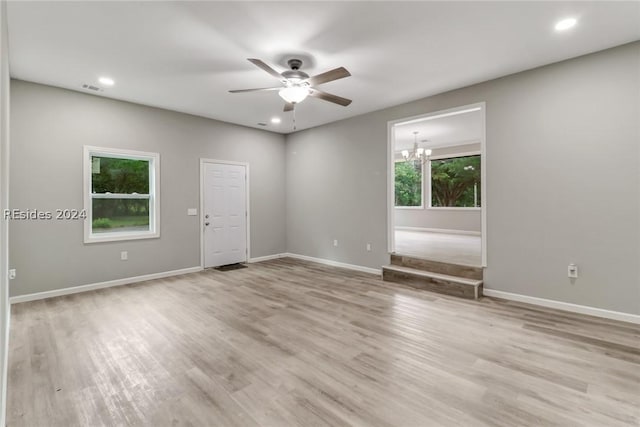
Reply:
x=262 y=124
x=91 y=87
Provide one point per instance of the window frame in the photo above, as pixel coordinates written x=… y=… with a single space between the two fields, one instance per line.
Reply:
x=154 y=194
x=422 y=187
x=444 y=157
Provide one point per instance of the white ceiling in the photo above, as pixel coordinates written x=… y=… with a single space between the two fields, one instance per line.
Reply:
x=460 y=129
x=185 y=56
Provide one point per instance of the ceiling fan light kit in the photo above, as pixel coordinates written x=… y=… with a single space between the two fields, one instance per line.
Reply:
x=294 y=94
x=297 y=85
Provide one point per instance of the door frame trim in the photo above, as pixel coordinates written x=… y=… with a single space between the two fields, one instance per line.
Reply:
x=204 y=161
x=480 y=106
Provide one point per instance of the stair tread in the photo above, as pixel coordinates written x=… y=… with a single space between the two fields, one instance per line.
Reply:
x=423 y=273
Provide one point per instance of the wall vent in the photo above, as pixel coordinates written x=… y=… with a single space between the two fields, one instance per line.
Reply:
x=262 y=124
x=91 y=87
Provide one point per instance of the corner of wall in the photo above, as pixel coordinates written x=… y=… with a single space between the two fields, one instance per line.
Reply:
x=4 y=204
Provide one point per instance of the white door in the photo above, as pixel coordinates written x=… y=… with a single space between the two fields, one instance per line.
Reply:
x=224 y=214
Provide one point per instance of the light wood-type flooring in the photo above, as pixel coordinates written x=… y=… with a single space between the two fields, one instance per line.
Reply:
x=293 y=343
x=445 y=247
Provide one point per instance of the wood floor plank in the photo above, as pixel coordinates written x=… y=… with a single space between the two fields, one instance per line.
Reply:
x=290 y=342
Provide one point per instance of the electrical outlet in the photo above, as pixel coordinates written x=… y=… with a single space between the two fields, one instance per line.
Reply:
x=12 y=274
x=572 y=271
x=335 y=242
x=124 y=255
x=368 y=247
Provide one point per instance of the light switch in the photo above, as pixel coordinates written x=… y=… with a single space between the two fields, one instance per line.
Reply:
x=572 y=271
x=192 y=211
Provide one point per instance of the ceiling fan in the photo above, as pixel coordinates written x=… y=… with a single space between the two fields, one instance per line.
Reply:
x=297 y=85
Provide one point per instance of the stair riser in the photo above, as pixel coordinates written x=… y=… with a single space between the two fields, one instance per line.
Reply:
x=465 y=271
x=433 y=285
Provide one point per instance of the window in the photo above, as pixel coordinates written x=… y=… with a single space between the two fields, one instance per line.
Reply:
x=408 y=184
x=455 y=182
x=121 y=194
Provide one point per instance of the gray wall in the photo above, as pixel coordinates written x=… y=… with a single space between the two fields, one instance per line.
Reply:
x=447 y=219
x=563 y=158
x=50 y=127
x=4 y=203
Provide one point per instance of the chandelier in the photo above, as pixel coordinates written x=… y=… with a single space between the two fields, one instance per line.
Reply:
x=418 y=153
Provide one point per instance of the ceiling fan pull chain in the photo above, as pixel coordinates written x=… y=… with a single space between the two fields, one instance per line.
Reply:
x=294 y=119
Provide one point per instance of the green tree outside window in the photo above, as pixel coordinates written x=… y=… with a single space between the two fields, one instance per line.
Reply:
x=455 y=182
x=408 y=184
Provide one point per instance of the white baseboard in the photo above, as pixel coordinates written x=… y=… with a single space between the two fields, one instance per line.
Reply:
x=565 y=306
x=129 y=280
x=100 y=285
x=266 y=258
x=335 y=263
x=440 y=230
x=319 y=261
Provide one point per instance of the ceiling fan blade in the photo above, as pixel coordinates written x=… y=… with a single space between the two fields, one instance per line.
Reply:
x=260 y=89
x=288 y=106
x=329 y=76
x=258 y=63
x=329 y=97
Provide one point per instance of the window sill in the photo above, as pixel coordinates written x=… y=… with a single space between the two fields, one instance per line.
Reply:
x=409 y=207
x=118 y=237
x=454 y=209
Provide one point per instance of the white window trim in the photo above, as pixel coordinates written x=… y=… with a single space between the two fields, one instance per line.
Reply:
x=453 y=208
x=422 y=189
x=153 y=196
x=428 y=172
x=452 y=156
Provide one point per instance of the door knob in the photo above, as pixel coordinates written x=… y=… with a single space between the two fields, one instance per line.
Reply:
x=207 y=216
x=206 y=223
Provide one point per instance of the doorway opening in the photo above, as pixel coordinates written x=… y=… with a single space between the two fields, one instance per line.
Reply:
x=224 y=209
x=436 y=186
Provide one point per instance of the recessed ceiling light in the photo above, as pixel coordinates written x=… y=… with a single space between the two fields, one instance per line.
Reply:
x=565 y=24
x=275 y=120
x=106 y=81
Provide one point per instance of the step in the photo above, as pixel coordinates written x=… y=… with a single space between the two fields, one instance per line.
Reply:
x=435 y=282
x=460 y=270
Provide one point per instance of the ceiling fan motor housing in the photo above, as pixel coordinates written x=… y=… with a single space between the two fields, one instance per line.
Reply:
x=295 y=75
x=294 y=64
